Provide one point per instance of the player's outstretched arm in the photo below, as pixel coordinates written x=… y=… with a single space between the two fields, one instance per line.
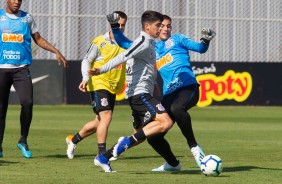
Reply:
x=121 y=40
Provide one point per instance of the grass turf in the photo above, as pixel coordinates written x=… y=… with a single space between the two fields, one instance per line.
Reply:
x=248 y=140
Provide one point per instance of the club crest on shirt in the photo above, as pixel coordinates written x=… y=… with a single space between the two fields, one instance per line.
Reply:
x=169 y=43
x=24 y=19
x=104 y=102
x=103 y=44
x=160 y=107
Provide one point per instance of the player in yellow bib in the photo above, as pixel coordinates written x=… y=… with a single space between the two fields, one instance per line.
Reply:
x=102 y=88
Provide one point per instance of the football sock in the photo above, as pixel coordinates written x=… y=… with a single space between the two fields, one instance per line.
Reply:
x=108 y=154
x=138 y=136
x=101 y=148
x=183 y=120
x=76 y=138
x=23 y=140
x=162 y=147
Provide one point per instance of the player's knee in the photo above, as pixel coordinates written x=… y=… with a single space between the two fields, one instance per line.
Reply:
x=106 y=116
x=177 y=111
x=27 y=104
x=166 y=124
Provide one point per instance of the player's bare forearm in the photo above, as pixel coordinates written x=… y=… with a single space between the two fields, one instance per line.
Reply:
x=41 y=42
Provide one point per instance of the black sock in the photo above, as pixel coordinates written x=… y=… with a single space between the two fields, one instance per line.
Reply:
x=109 y=153
x=161 y=146
x=138 y=136
x=76 y=138
x=23 y=140
x=101 y=148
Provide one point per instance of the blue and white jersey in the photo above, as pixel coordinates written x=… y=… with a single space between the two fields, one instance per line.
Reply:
x=173 y=61
x=15 y=40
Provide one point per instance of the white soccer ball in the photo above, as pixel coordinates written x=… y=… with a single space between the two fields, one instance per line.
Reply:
x=211 y=165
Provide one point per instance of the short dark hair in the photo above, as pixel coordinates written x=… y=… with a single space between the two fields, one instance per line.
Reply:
x=166 y=17
x=121 y=14
x=150 y=17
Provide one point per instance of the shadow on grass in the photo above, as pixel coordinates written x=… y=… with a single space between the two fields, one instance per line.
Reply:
x=92 y=155
x=6 y=163
x=65 y=156
x=192 y=172
x=246 y=168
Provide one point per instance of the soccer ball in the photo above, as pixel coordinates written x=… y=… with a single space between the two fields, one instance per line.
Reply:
x=211 y=165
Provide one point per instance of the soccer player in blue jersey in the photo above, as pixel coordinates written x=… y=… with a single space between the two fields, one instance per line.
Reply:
x=180 y=87
x=17 y=28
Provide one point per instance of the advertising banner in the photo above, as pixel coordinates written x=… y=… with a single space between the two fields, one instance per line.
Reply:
x=221 y=83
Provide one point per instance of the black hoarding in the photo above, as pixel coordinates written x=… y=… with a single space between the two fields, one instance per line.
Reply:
x=48 y=83
x=222 y=83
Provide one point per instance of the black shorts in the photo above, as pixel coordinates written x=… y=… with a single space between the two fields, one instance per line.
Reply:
x=183 y=98
x=102 y=100
x=144 y=109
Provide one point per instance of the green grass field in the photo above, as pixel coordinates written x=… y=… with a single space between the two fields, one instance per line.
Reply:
x=248 y=140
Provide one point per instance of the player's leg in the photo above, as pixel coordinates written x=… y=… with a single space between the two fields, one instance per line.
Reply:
x=23 y=86
x=183 y=100
x=88 y=129
x=154 y=118
x=5 y=85
x=105 y=102
x=161 y=146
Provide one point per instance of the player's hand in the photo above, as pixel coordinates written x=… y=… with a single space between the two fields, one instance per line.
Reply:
x=113 y=19
x=208 y=34
x=95 y=71
x=82 y=86
x=61 y=58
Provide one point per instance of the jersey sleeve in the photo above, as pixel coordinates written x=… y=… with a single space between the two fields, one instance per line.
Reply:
x=121 y=40
x=90 y=56
x=31 y=24
x=136 y=49
x=192 y=45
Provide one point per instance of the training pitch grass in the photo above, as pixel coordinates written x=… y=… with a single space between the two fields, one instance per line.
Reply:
x=247 y=139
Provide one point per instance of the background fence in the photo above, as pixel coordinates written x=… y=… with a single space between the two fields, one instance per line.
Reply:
x=247 y=30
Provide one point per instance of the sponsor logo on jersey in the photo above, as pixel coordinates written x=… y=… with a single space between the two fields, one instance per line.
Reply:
x=174 y=84
x=103 y=45
x=14 y=38
x=10 y=54
x=104 y=102
x=164 y=60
